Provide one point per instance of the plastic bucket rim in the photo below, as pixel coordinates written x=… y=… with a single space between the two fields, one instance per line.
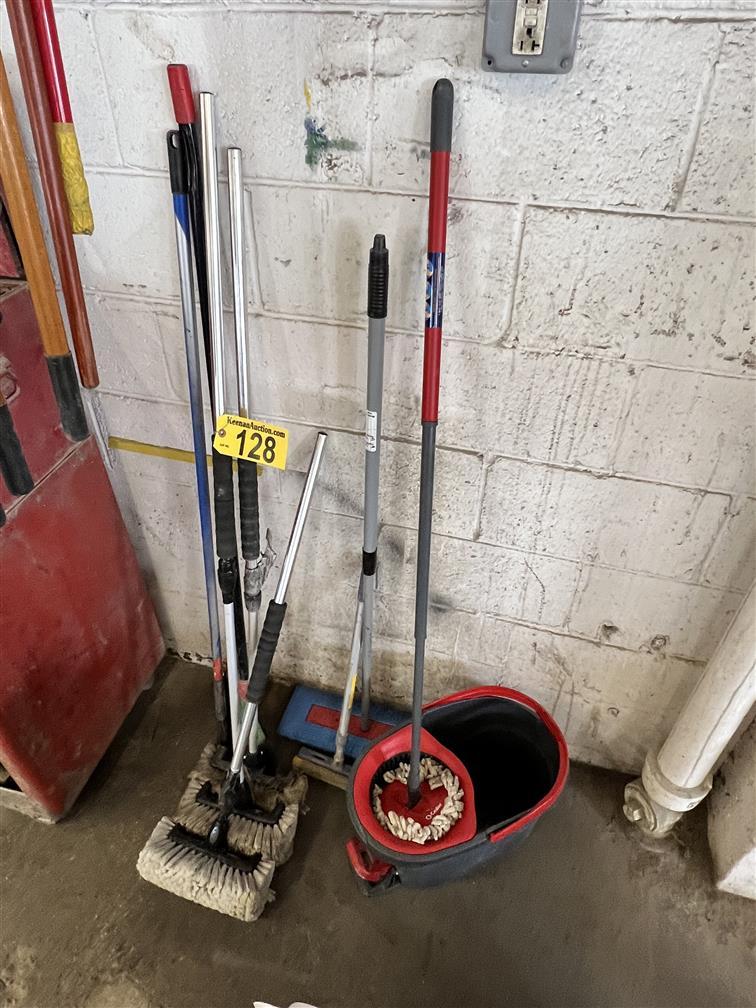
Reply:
x=529 y=817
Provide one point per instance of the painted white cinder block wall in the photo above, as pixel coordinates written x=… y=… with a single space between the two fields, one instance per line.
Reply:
x=596 y=484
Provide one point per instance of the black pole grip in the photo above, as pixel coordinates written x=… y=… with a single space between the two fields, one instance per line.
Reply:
x=13 y=465
x=249 y=510
x=240 y=627
x=223 y=499
x=378 y=277
x=221 y=711
x=177 y=167
x=266 y=648
x=66 y=387
x=442 y=111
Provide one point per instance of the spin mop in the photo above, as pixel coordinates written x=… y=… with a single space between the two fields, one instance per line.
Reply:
x=433 y=799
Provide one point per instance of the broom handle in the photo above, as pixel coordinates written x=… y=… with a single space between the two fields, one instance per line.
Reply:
x=33 y=81
x=177 y=164
x=24 y=215
x=186 y=118
x=274 y=617
x=249 y=507
x=378 y=275
x=442 y=107
x=74 y=180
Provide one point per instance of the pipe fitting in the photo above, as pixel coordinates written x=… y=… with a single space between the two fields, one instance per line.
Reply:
x=641 y=810
x=655 y=804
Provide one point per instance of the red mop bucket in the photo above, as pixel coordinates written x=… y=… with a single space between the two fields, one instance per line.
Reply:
x=511 y=759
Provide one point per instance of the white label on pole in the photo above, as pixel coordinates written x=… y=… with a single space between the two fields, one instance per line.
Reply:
x=371 y=431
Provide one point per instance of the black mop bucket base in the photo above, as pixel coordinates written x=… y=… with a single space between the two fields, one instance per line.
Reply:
x=517 y=759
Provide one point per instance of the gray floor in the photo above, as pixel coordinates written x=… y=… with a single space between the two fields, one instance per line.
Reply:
x=580 y=915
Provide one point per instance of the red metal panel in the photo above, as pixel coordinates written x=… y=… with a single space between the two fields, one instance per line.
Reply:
x=25 y=383
x=78 y=631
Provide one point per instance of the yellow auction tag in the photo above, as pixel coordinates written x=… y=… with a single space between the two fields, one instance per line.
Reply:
x=251 y=439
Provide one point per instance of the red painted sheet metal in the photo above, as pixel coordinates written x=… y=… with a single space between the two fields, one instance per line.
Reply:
x=25 y=383
x=79 y=633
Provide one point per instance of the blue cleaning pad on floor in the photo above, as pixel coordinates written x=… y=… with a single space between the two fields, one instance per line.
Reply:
x=312 y=717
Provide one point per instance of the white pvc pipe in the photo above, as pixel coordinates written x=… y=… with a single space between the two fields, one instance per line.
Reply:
x=724 y=695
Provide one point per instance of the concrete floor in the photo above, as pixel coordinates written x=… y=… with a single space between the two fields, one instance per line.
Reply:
x=579 y=915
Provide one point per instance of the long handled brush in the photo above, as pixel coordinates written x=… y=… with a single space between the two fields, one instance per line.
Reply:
x=256 y=563
x=177 y=163
x=225 y=860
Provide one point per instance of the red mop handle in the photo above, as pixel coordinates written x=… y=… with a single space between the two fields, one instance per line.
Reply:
x=181 y=94
x=442 y=107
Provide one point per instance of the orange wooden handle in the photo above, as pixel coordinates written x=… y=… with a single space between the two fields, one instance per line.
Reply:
x=38 y=107
x=24 y=216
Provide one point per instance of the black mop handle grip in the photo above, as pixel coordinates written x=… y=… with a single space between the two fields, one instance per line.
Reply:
x=249 y=510
x=378 y=277
x=266 y=648
x=223 y=499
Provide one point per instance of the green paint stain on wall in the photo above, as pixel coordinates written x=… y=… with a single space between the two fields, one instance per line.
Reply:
x=317 y=143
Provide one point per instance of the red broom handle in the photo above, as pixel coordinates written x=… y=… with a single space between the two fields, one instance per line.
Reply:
x=32 y=79
x=74 y=180
x=442 y=106
x=52 y=61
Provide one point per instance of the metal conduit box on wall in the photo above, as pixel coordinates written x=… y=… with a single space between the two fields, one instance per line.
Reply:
x=531 y=36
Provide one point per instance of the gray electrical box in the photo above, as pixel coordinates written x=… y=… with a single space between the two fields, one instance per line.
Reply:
x=530 y=36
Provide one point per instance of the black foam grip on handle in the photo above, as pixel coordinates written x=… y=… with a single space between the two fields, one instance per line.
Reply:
x=249 y=511
x=266 y=648
x=223 y=499
x=65 y=384
x=177 y=166
x=13 y=465
x=378 y=277
x=442 y=111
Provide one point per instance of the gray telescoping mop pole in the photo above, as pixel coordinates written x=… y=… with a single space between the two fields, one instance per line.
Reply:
x=442 y=106
x=362 y=636
x=378 y=274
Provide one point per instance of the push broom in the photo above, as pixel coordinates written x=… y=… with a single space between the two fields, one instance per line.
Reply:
x=225 y=861
x=310 y=716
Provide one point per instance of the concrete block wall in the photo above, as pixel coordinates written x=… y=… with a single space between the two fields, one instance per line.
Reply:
x=596 y=483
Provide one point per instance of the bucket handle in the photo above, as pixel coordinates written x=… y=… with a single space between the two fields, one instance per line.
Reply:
x=364 y=865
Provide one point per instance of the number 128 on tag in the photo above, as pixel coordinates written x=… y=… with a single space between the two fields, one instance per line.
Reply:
x=252 y=440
